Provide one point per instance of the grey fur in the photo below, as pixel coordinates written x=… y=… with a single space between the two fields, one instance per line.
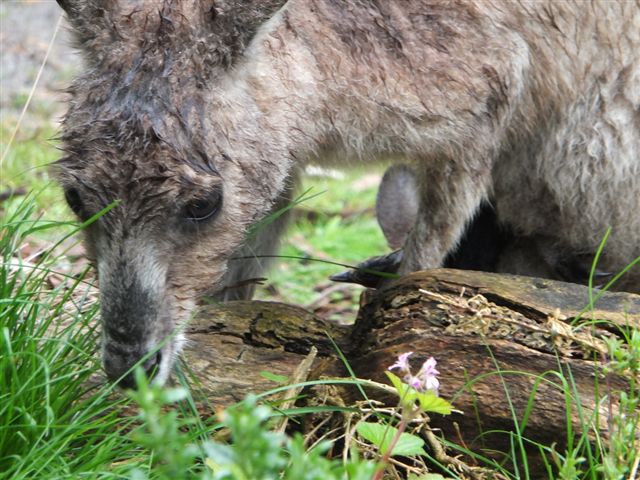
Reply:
x=533 y=103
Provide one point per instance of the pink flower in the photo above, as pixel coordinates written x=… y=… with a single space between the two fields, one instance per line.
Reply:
x=414 y=382
x=429 y=367
x=428 y=375
x=402 y=363
x=431 y=383
x=426 y=379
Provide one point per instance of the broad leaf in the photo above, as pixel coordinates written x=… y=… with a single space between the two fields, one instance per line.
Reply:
x=430 y=402
x=382 y=436
x=407 y=394
x=396 y=382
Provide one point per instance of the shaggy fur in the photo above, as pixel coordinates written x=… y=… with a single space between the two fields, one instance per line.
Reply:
x=535 y=104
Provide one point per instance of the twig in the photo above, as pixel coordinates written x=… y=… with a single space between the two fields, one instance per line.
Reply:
x=299 y=375
x=12 y=192
x=461 y=439
x=409 y=468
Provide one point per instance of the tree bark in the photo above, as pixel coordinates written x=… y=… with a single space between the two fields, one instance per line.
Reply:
x=499 y=340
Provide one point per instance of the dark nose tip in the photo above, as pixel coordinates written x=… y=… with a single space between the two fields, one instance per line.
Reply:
x=150 y=367
x=128 y=381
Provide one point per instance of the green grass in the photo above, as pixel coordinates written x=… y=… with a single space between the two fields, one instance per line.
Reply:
x=51 y=424
x=57 y=422
x=27 y=167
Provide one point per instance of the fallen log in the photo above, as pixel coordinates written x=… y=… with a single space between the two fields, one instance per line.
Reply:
x=501 y=343
x=230 y=345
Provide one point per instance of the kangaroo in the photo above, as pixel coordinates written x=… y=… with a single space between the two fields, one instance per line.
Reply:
x=191 y=119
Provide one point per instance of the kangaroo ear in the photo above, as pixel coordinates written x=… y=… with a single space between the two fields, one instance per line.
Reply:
x=87 y=9
x=66 y=5
x=397 y=204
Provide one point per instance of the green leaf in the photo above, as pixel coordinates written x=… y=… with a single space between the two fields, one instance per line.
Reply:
x=409 y=445
x=375 y=433
x=382 y=435
x=407 y=394
x=430 y=402
x=279 y=379
x=396 y=382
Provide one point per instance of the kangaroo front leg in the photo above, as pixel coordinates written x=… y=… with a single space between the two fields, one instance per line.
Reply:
x=450 y=196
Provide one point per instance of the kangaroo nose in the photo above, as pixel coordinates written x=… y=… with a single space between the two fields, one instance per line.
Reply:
x=128 y=381
x=116 y=365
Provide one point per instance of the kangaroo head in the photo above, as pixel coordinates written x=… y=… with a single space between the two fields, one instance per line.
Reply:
x=149 y=132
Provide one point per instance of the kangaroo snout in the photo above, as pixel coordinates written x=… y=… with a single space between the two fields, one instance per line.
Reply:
x=137 y=308
x=120 y=361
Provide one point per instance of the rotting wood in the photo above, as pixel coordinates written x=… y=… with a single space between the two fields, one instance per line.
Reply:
x=475 y=324
x=230 y=344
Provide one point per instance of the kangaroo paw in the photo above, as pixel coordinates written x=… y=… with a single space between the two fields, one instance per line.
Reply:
x=576 y=270
x=373 y=271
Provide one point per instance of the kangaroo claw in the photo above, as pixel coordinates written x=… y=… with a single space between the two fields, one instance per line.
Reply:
x=373 y=271
x=577 y=270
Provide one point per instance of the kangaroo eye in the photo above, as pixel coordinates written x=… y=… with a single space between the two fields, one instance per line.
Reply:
x=202 y=209
x=72 y=197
